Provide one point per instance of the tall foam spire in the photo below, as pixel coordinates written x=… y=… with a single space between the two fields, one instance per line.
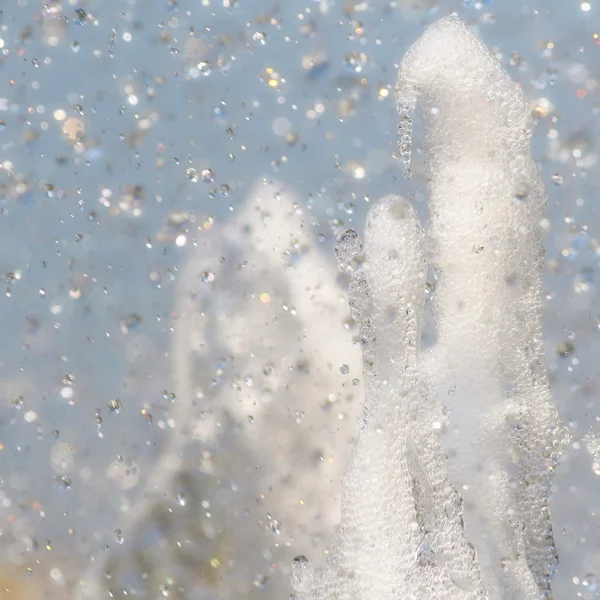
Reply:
x=446 y=494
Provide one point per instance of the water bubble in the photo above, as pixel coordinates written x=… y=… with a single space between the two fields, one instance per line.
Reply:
x=344 y=369
x=119 y=536
x=557 y=179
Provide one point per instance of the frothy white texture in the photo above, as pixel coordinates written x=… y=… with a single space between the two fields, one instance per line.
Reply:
x=446 y=493
x=256 y=354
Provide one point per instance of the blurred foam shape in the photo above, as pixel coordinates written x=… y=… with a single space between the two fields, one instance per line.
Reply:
x=14 y=585
x=265 y=374
x=484 y=383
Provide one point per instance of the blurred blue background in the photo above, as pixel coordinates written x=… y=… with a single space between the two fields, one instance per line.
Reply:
x=126 y=124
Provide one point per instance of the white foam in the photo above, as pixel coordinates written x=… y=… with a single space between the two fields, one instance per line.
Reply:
x=484 y=384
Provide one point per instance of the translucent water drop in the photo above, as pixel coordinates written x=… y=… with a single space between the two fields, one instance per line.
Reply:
x=204 y=67
x=275 y=527
x=260 y=581
x=208 y=175
x=114 y=406
x=300 y=563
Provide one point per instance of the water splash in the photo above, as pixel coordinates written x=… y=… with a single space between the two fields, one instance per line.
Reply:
x=406 y=98
x=445 y=496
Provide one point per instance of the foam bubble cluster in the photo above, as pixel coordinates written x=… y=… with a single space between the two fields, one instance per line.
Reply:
x=446 y=492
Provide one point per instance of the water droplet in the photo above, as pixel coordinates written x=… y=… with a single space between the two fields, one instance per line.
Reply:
x=300 y=563
x=80 y=16
x=344 y=369
x=114 y=406
x=275 y=527
x=557 y=179
x=192 y=174
x=208 y=175
x=130 y=322
x=355 y=61
x=204 y=67
x=564 y=349
x=260 y=37
x=63 y=482
x=119 y=536
x=260 y=581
